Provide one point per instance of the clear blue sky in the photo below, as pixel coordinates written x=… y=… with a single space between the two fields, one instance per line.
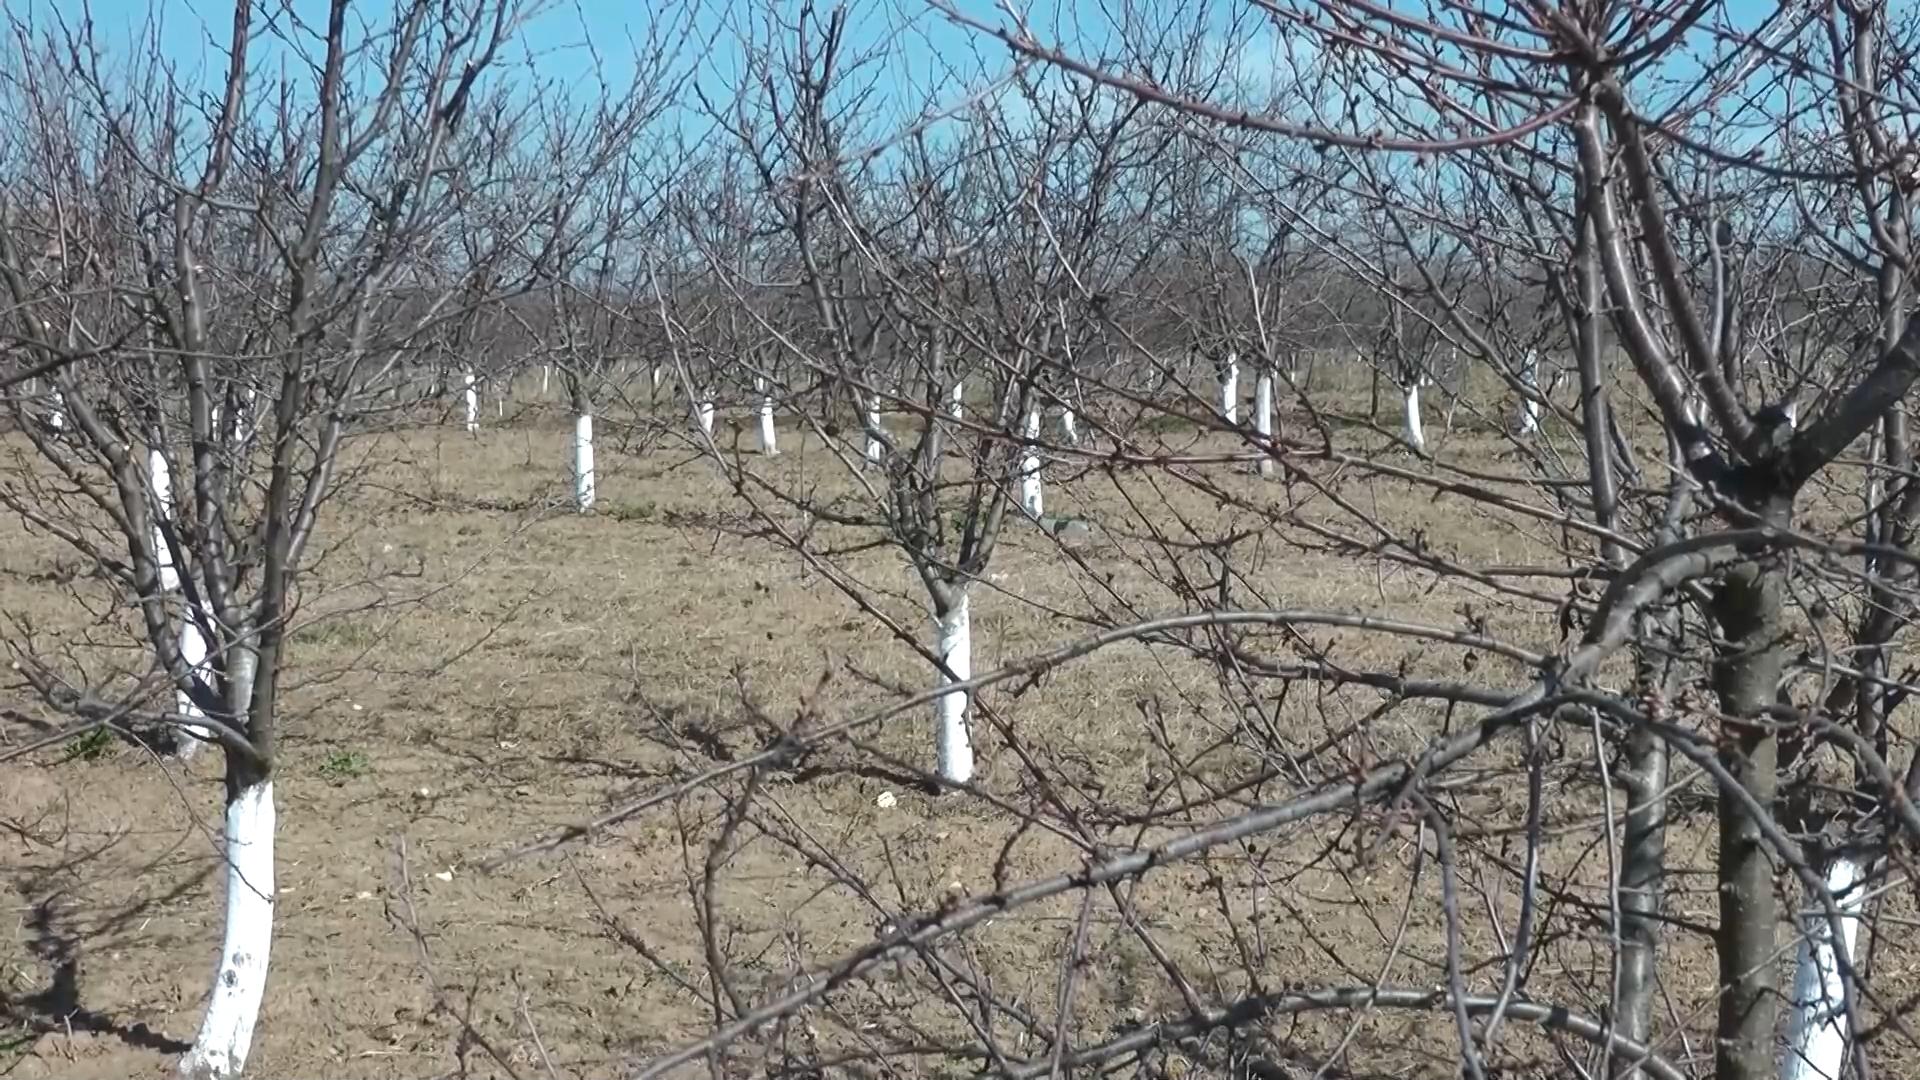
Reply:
x=578 y=42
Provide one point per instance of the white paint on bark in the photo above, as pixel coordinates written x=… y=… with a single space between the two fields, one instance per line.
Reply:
x=875 y=447
x=583 y=491
x=472 y=394
x=240 y=981
x=1230 y=390
x=1070 y=426
x=953 y=746
x=1263 y=418
x=957 y=405
x=703 y=414
x=57 y=411
x=768 y=437
x=1529 y=393
x=193 y=646
x=1416 y=431
x=1817 y=1030
x=1031 y=498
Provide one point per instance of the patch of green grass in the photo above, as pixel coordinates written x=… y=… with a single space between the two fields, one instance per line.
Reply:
x=91 y=746
x=642 y=511
x=340 y=766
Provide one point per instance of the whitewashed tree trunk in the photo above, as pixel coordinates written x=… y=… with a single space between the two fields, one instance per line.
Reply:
x=703 y=415
x=1817 y=1028
x=1530 y=390
x=1416 y=431
x=1263 y=417
x=546 y=377
x=953 y=747
x=240 y=981
x=768 y=445
x=1030 y=493
x=875 y=447
x=957 y=405
x=57 y=411
x=473 y=403
x=193 y=646
x=1070 y=426
x=583 y=490
x=1230 y=390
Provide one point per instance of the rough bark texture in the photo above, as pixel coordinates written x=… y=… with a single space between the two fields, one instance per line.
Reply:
x=1643 y=843
x=1746 y=676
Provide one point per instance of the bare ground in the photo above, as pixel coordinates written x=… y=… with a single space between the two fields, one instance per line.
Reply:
x=483 y=667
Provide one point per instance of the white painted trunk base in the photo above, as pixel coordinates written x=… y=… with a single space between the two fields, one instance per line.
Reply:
x=57 y=412
x=953 y=747
x=1263 y=418
x=240 y=982
x=1230 y=390
x=1070 y=427
x=1529 y=401
x=583 y=492
x=473 y=403
x=546 y=376
x=1817 y=1028
x=1416 y=431
x=1031 y=496
x=703 y=415
x=957 y=405
x=875 y=448
x=768 y=437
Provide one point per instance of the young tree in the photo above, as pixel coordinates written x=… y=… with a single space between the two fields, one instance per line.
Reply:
x=163 y=265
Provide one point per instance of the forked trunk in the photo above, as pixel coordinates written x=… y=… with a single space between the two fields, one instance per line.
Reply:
x=953 y=746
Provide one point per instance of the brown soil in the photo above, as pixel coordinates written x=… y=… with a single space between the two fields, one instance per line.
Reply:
x=518 y=667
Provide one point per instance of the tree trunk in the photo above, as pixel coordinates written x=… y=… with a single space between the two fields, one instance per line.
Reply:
x=1643 y=842
x=1230 y=390
x=473 y=403
x=1530 y=393
x=768 y=443
x=1030 y=493
x=583 y=478
x=953 y=747
x=1817 y=1032
x=1747 y=608
x=193 y=646
x=1415 y=429
x=876 y=448
x=240 y=981
x=1263 y=418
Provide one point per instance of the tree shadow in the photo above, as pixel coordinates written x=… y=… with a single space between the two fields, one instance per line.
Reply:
x=58 y=1007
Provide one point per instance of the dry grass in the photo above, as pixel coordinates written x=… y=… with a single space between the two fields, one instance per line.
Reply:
x=525 y=667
